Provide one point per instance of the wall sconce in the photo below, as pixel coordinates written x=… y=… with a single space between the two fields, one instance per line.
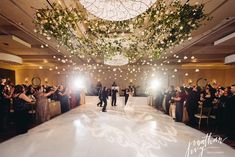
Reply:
x=26 y=80
x=214 y=81
x=46 y=80
x=190 y=81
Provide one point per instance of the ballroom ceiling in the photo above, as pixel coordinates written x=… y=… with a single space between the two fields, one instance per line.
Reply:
x=16 y=19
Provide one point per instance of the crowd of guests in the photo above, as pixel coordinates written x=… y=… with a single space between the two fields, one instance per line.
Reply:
x=20 y=99
x=220 y=100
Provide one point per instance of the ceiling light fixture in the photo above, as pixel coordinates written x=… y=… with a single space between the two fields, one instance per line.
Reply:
x=117 y=60
x=117 y=10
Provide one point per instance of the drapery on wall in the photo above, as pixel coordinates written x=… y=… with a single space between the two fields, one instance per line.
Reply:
x=6 y=73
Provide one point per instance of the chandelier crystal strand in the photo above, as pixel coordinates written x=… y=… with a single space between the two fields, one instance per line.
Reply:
x=117 y=10
x=117 y=60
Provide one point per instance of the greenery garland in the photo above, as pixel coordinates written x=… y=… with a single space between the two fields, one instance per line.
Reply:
x=147 y=35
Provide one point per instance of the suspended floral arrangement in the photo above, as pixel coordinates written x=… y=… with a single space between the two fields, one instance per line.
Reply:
x=149 y=34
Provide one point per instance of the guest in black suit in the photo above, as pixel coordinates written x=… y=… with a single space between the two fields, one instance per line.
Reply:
x=104 y=98
x=221 y=113
x=100 y=98
x=114 y=92
x=192 y=104
x=230 y=120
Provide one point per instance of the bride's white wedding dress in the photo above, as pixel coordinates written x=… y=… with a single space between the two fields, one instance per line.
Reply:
x=129 y=104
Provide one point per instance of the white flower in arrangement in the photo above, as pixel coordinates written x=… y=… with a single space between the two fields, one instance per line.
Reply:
x=48 y=38
x=38 y=15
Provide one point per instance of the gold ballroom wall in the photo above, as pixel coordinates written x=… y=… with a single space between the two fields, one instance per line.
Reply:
x=224 y=77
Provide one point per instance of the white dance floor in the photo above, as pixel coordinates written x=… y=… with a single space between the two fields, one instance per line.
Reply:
x=87 y=132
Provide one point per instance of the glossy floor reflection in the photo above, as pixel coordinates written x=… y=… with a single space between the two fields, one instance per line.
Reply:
x=88 y=132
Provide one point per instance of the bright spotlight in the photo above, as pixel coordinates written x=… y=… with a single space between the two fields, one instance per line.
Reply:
x=79 y=83
x=155 y=84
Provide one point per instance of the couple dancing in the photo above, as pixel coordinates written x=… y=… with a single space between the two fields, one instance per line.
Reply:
x=103 y=96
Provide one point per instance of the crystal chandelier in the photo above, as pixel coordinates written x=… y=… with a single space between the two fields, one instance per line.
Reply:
x=117 y=10
x=117 y=60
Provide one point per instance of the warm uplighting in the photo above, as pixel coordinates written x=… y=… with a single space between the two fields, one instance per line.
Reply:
x=79 y=83
x=197 y=70
x=155 y=84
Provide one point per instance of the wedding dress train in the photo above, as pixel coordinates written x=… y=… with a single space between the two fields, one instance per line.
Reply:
x=129 y=104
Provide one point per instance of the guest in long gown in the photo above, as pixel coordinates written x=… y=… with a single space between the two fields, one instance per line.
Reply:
x=42 y=110
x=159 y=99
x=5 y=96
x=20 y=104
x=179 y=100
x=171 y=93
x=63 y=98
x=74 y=98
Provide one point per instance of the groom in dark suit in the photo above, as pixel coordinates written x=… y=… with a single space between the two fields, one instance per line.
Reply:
x=104 y=96
x=114 y=91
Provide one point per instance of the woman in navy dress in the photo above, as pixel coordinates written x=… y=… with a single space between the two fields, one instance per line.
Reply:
x=179 y=101
x=20 y=104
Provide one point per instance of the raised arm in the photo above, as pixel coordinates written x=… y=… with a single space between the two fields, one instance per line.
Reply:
x=24 y=97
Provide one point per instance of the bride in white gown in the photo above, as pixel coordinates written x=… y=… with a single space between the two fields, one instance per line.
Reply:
x=129 y=104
